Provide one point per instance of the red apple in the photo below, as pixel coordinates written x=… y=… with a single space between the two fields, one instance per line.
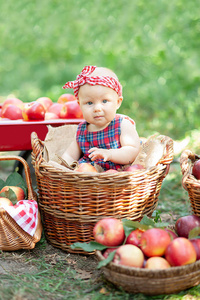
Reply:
x=196 y=169
x=157 y=262
x=73 y=110
x=33 y=111
x=45 y=101
x=19 y=192
x=50 y=116
x=184 y=224
x=154 y=242
x=109 y=232
x=11 y=112
x=65 y=98
x=14 y=101
x=108 y=251
x=86 y=167
x=63 y=112
x=134 y=168
x=134 y=237
x=171 y=233
x=111 y=171
x=129 y=255
x=196 y=243
x=5 y=202
x=55 y=108
x=180 y=252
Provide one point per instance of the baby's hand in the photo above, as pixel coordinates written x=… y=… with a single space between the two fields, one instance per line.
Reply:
x=96 y=153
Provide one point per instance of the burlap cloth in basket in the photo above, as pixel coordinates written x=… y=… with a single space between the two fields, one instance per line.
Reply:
x=58 y=139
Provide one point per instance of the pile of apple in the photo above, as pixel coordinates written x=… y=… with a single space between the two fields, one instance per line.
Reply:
x=6 y=195
x=41 y=109
x=153 y=248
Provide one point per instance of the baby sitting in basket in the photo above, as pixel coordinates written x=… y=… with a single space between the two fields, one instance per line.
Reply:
x=105 y=138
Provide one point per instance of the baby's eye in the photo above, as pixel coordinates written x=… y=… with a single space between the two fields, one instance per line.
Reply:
x=89 y=102
x=105 y=101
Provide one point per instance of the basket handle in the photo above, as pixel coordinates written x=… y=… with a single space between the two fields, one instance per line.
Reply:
x=31 y=194
x=36 y=146
x=185 y=156
x=168 y=157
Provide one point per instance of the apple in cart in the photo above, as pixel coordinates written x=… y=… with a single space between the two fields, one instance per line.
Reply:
x=73 y=110
x=19 y=192
x=14 y=101
x=134 y=237
x=129 y=255
x=109 y=232
x=45 y=101
x=11 y=112
x=157 y=262
x=154 y=242
x=65 y=98
x=63 y=112
x=5 y=202
x=196 y=169
x=55 y=108
x=33 y=111
x=50 y=116
x=134 y=168
x=184 y=224
x=180 y=252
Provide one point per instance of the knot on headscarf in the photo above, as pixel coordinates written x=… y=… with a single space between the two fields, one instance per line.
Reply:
x=84 y=77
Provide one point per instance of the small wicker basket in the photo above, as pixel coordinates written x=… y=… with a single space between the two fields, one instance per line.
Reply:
x=12 y=236
x=152 y=282
x=72 y=202
x=189 y=182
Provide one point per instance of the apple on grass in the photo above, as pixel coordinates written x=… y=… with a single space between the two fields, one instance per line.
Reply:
x=11 y=112
x=180 y=252
x=45 y=101
x=156 y=263
x=133 y=168
x=154 y=242
x=134 y=237
x=129 y=255
x=184 y=224
x=33 y=111
x=196 y=169
x=109 y=232
x=19 y=192
x=65 y=98
x=86 y=167
x=171 y=233
x=5 y=202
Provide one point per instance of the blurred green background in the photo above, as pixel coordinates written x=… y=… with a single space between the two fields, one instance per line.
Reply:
x=153 y=46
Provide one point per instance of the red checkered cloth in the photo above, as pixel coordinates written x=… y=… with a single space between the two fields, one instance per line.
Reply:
x=25 y=214
x=84 y=77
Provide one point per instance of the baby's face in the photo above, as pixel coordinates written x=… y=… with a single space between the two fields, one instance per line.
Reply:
x=98 y=104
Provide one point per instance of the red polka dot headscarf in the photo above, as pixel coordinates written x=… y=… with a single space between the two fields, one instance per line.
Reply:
x=84 y=77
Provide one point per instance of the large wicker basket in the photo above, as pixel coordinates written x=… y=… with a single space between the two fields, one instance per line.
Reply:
x=12 y=236
x=189 y=182
x=72 y=202
x=152 y=282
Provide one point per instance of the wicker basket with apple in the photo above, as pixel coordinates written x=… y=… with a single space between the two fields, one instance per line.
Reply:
x=12 y=236
x=190 y=167
x=71 y=202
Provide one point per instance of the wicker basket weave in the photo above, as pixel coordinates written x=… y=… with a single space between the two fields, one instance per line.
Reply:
x=72 y=202
x=12 y=236
x=152 y=282
x=189 y=182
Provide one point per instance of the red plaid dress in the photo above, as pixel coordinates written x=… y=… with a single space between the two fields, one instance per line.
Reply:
x=108 y=138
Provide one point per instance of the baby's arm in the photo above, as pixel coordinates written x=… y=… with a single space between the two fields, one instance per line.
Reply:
x=130 y=146
x=72 y=153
